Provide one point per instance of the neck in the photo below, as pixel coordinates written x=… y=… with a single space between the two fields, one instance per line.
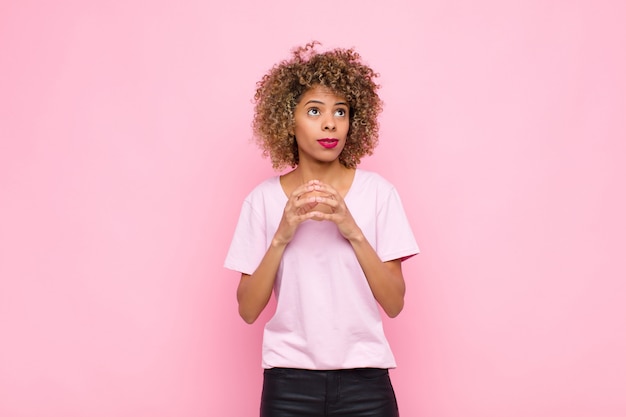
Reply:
x=327 y=173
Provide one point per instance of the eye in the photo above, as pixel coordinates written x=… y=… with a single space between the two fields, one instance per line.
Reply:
x=340 y=112
x=313 y=111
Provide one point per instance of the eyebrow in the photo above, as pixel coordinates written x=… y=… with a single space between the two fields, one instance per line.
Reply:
x=339 y=103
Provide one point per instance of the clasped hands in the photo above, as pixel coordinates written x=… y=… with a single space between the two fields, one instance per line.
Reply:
x=319 y=201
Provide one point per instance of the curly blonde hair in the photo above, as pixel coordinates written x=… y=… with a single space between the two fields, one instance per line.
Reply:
x=278 y=92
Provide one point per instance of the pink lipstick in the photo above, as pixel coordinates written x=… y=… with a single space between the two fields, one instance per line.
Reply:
x=328 y=143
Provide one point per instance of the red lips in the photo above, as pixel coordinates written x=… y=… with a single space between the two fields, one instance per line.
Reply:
x=328 y=143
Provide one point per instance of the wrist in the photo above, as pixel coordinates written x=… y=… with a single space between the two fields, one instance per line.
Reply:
x=356 y=237
x=278 y=243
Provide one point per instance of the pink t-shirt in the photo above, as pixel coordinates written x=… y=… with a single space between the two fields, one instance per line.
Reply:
x=326 y=315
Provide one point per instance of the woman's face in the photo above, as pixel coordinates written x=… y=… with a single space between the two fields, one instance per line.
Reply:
x=321 y=123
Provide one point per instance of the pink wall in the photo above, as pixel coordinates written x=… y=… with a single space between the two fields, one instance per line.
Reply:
x=125 y=154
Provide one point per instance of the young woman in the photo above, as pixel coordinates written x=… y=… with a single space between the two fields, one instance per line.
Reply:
x=327 y=238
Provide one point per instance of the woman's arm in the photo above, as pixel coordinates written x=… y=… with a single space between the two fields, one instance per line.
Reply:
x=254 y=291
x=384 y=278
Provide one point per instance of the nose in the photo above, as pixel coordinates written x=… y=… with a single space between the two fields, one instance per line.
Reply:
x=329 y=124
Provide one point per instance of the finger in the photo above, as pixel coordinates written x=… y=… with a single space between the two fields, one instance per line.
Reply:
x=305 y=202
x=328 y=201
x=305 y=209
x=320 y=215
x=299 y=218
x=303 y=189
x=327 y=189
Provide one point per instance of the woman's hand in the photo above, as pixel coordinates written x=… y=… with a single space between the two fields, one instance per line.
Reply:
x=338 y=212
x=299 y=208
x=304 y=204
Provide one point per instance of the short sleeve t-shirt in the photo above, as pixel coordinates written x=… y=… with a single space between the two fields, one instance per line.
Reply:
x=326 y=315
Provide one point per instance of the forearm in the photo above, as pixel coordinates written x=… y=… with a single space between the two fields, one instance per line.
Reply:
x=384 y=278
x=255 y=290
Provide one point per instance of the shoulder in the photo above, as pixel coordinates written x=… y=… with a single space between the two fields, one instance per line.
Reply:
x=261 y=199
x=261 y=194
x=268 y=187
x=372 y=181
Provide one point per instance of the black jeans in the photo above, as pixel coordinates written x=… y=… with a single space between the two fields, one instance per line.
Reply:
x=363 y=392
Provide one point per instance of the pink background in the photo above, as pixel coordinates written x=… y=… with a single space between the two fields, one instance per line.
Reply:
x=125 y=156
